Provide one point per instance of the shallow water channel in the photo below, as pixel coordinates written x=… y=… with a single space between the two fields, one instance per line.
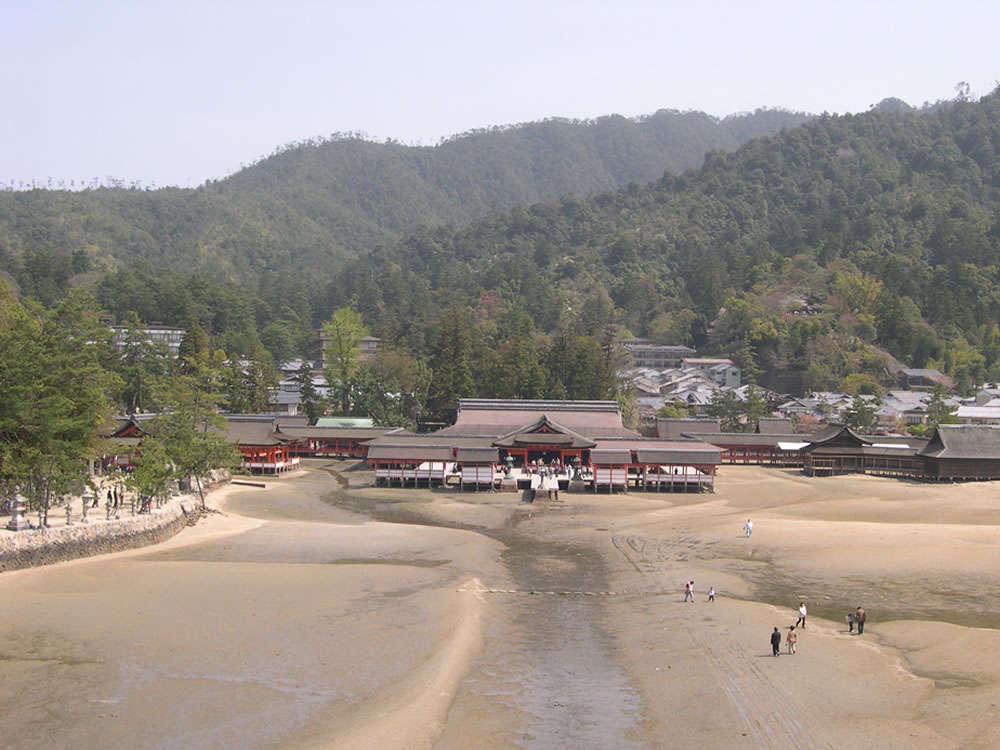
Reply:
x=549 y=660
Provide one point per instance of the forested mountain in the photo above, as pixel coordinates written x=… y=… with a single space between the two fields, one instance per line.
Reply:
x=311 y=204
x=813 y=253
x=823 y=255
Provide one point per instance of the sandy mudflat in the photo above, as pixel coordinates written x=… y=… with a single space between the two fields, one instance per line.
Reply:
x=304 y=617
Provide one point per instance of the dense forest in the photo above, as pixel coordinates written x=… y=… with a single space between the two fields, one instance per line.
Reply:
x=310 y=204
x=845 y=245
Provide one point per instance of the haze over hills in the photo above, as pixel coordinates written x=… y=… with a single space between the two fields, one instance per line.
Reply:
x=310 y=204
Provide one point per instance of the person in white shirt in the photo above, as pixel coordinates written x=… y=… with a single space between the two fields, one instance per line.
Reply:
x=802 y=615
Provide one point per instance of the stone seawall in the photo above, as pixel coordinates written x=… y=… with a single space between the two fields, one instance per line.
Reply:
x=28 y=549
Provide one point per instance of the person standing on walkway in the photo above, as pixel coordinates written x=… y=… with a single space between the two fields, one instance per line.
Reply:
x=689 y=591
x=776 y=641
x=802 y=615
x=748 y=528
x=711 y=593
x=791 y=639
x=859 y=618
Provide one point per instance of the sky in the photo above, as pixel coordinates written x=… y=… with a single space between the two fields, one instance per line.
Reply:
x=180 y=92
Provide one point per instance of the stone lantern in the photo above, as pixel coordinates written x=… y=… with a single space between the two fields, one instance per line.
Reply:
x=88 y=498
x=17 y=520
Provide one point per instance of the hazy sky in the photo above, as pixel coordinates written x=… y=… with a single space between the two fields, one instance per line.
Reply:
x=179 y=92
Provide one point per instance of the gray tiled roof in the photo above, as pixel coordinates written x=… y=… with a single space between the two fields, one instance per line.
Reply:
x=410 y=453
x=678 y=452
x=775 y=426
x=610 y=456
x=671 y=427
x=345 y=433
x=964 y=441
x=477 y=455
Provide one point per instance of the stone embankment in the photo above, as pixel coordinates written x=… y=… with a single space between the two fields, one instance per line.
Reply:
x=34 y=547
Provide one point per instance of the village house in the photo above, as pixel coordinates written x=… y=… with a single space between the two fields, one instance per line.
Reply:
x=155 y=333
x=923 y=379
x=645 y=353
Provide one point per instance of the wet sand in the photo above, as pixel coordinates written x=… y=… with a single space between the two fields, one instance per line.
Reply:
x=304 y=616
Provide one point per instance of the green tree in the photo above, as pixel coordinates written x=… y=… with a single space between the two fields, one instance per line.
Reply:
x=451 y=363
x=394 y=388
x=56 y=394
x=727 y=408
x=194 y=344
x=860 y=415
x=142 y=365
x=343 y=333
x=754 y=406
x=248 y=385
x=151 y=469
x=861 y=383
x=191 y=429
x=312 y=402
x=673 y=411
x=938 y=410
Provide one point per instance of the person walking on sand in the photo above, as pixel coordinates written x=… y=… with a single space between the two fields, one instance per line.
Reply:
x=689 y=591
x=711 y=593
x=802 y=615
x=791 y=639
x=776 y=641
x=859 y=618
x=748 y=528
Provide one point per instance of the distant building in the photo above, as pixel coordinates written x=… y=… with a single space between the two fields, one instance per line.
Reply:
x=721 y=371
x=170 y=336
x=921 y=379
x=645 y=353
x=978 y=415
x=367 y=348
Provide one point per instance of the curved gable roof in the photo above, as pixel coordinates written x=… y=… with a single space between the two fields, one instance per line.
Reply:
x=544 y=431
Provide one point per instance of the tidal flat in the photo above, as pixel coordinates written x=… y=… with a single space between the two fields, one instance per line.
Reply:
x=323 y=612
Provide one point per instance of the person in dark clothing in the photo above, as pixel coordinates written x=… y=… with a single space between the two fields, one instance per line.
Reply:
x=776 y=642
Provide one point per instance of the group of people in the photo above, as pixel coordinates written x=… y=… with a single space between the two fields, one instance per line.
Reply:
x=689 y=592
x=857 y=618
x=792 y=637
x=790 y=640
x=114 y=498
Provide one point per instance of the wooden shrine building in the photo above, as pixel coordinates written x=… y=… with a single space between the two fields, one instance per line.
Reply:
x=493 y=439
x=264 y=447
x=837 y=449
x=962 y=452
